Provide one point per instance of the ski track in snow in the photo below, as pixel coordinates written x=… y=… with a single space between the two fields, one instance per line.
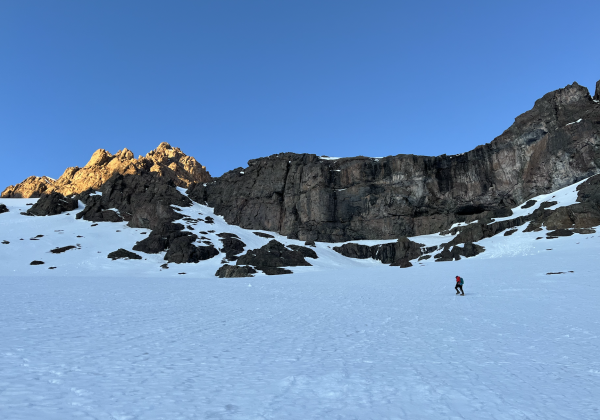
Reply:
x=344 y=339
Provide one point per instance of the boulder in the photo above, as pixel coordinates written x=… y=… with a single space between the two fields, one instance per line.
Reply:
x=123 y=254
x=306 y=252
x=62 y=249
x=3 y=208
x=397 y=253
x=230 y=271
x=275 y=271
x=272 y=255
x=453 y=252
x=560 y=232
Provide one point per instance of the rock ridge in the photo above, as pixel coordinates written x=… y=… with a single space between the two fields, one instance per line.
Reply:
x=166 y=161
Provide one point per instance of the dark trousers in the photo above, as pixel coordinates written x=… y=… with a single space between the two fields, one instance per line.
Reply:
x=458 y=286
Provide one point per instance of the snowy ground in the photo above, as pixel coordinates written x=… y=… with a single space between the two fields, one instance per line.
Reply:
x=344 y=339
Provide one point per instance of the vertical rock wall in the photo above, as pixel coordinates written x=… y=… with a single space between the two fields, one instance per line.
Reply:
x=313 y=198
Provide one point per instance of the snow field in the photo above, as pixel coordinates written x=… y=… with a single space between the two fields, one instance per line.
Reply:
x=343 y=339
x=352 y=343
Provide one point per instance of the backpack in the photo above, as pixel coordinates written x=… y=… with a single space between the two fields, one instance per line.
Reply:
x=461 y=282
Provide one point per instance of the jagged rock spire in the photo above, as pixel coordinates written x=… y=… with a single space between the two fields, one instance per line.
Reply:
x=169 y=162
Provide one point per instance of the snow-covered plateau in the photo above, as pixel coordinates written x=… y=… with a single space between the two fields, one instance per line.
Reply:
x=94 y=338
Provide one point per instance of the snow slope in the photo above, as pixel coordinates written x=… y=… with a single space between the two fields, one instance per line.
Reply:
x=344 y=339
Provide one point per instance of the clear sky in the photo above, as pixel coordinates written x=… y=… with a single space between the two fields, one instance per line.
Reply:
x=228 y=81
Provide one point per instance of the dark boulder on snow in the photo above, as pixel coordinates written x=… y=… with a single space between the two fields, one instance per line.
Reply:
x=123 y=254
x=3 y=208
x=272 y=255
x=62 y=249
x=52 y=204
x=397 y=253
x=36 y=262
x=560 y=232
x=231 y=271
x=275 y=271
x=306 y=252
x=454 y=252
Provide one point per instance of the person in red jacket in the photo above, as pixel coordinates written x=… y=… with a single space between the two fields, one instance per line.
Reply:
x=459 y=285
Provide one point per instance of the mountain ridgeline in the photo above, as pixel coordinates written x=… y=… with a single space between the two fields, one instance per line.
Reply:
x=312 y=198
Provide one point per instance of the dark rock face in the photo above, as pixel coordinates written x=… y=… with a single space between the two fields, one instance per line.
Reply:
x=123 y=254
x=310 y=198
x=231 y=271
x=397 y=253
x=272 y=255
x=3 y=208
x=51 y=204
x=143 y=200
x=306 y=252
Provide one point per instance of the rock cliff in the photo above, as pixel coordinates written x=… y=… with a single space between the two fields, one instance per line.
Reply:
x=168 y=162
x=309 y=197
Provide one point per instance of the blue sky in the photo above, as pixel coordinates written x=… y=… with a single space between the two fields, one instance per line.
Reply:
x=229 y=81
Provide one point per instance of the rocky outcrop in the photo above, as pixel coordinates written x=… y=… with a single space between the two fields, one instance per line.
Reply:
x=271 y=257
x=306 y=197
x=397 y=253
x=231 y=271
x=232 y=245
x=306 y=252
x=32 y=187
x=583 y=215
x=182 y=250
x=454 y=252
x=123 y=254
x=3 y=208
x=51 y=204
x=144 y=201
x=165 y=161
